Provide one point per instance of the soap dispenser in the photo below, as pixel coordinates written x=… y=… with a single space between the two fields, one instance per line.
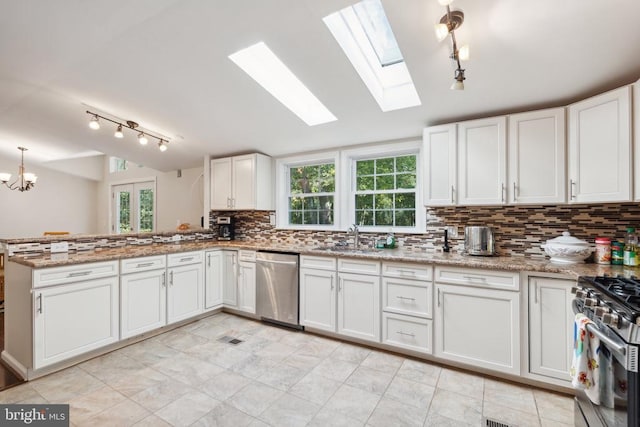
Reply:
x=391 y=241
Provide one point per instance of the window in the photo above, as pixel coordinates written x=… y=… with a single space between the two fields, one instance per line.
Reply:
x=385 y=191
x=133 y=207
x=117 y=165
x=311 y=194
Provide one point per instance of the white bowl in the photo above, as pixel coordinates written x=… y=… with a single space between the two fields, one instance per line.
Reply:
x=567 y=249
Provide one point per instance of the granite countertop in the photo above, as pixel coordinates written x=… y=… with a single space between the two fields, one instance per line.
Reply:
x=508 y=263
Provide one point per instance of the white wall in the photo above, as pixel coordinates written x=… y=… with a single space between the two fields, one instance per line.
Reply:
x=177 y=198
x=58 y=202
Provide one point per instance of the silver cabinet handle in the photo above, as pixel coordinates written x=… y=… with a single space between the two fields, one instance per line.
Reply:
x=452 y=195
x=409 y=272
x=186 y=259
x=331 y=282
x=515 y=192
x=535 y=292
x=79 y=273
x=481 y=278
x=405 y=298
x=572 y=185
x=438 y=298
x=144 y=264
x=208 y=260
x=164 y=280
x=40 y=303
x=171 y=278
x=340 y=284
x=502 y=191
x=405 y=334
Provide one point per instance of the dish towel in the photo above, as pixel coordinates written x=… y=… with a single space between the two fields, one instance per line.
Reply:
x=585 y=366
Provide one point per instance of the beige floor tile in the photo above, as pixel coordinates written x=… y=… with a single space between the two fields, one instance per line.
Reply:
x=512 y=396
x=422 y=372
x=125 y=413
x=252 y=343
x=410 y=392
x=20 y=393
x=149 y=352
x=187 y=409
x=390 y=412
x=224 y=385
x=152 y=421
x=160 y=395
x=66 y=385
x=334 y=369
x=112 y=366
x=329 y=418
x=290 y=411
x=457 y=407
x=369 y=380
x=554 y=407
x=273 y=333
x=229 y=356
x=507 y=415
x=224 y=415
x=253 y=366
x=276 y=351
x=188 y=369
x=182 y=340
x=302 y=361
x=282 y=376
x=353 y=402
x=254 y=398
x=315 y=388
x=350 y=353
x=296 y=339
x=461 y=383
x=383 y=362
x=437 y=420
x=133 y=384
x=89 y=405
x=552 y=423
x=318 y=347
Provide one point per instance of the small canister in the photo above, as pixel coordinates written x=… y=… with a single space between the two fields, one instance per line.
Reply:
x=603 y=250
x=617 y=253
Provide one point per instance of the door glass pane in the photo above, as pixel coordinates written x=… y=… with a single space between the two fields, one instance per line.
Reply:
x=124 y=212
x=145 y=209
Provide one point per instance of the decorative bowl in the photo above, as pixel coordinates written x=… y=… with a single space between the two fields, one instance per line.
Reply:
x=567 y=249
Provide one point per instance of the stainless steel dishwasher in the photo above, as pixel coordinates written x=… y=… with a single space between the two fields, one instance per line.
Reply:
x=277 y=288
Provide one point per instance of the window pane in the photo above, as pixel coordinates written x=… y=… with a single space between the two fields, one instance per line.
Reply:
x=364 y=167
x=364 y=217
x=384 y=165
x=325 y=217
x=124 y=220
x=405 y=218
x=145 y=205
x=295 y=203
x=406 y=164
x=295 y=217
x=364 y=201
x=327 y=178
x=384 y=201
x=311 y=203
x=405 y=200
x=384 y=217
x=406 y=181
x=310 y=217
x=384 y=182
x=364 y=183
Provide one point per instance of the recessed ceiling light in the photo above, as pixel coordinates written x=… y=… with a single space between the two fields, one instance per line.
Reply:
x=275 y=77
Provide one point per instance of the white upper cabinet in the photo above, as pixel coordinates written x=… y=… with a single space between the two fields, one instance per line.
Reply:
x=536 y=147
x=600 y=148
x=439 y=151
x=242 y=183
x=636 y=135
x=482 y=161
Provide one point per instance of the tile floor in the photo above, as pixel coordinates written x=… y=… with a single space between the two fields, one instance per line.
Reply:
x=278 y=378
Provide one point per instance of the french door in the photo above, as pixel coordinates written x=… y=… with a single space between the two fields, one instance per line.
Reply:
x=134 y=207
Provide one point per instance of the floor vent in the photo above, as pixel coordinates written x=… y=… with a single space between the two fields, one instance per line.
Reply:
x=229 y=340
x=488 y=422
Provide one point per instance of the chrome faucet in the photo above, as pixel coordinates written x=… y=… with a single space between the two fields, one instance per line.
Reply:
x=356 y=237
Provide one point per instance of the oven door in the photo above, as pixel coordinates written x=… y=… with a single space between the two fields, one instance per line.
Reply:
x=624 y=386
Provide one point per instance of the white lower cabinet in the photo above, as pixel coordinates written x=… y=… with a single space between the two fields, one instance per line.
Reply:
x=318 y=296
x=247 y=286
x=478 y=326
x=73 y=319
x=185 y=287
x=412 y=333
x=143 y=302
x=213 y=279
x=230 y=278
x=359 y=306
x=550 y=327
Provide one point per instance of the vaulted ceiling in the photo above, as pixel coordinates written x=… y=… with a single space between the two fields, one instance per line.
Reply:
x=164 y=64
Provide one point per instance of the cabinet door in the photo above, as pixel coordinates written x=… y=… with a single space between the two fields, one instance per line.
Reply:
x=600 y=148
x=359 y=306
x=213 y=279
x=537 y=157
x=318 y=299
x=143 y=298
x=247 y=286
x=480 y=327
x=636 y=136
x=244 y=181
x=221 y=183
x=230 y=278
x=73 y=319
x=550 y=327
x=439 y=148
x=482 y=162
x=184 y=294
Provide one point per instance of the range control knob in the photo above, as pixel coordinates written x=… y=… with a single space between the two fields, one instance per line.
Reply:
x=581 y=293
x=601 y=311
x=610 y=319
x=591 y=302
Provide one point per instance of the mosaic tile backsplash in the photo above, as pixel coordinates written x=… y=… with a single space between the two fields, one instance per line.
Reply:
x=518 y=230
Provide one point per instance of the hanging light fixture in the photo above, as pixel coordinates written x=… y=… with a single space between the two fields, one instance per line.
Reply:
x=143 y=135
x=24 y=182
x=450 y=22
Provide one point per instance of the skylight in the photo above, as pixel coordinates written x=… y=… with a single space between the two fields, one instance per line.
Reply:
x=275 y=77
x=364 y=34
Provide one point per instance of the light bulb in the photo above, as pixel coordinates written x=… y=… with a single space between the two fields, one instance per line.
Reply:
x=162 y=146
x=94 y=123
x=119 y=133
x=441 y=31
x=445 y=2
x=142 y=139
x=457 y=85
x=463 y=53
x=30 y=177
x=5 y=177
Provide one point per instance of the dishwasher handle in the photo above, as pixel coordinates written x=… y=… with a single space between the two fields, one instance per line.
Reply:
x=272 y=261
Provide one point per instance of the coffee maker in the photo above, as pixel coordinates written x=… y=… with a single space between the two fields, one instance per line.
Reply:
x=225 y=228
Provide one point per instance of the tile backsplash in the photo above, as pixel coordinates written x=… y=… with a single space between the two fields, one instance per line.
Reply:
x=519 y=230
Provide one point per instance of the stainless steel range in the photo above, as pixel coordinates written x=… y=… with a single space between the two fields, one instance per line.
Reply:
x=613 y=304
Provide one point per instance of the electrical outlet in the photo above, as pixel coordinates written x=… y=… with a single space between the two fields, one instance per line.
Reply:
x=59 y=247
x=176 y=238
x=452 y=230
x=272 y=219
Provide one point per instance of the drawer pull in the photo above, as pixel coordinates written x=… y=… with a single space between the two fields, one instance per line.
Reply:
x=186 y=259
x=171 y=278
x=164 y=279
x=481 y=278
x=409 y=272
x=144 y=264
x=405 y=298
x=405 y=334
x=40 y=303
x=79 y=273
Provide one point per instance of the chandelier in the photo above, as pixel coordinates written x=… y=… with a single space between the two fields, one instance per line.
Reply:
x=24 y=182
x=450 y=22
x=143 y=135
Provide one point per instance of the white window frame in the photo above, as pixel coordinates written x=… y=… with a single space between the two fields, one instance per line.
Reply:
x=282 y=189
x=112 y=185
x=348 y=162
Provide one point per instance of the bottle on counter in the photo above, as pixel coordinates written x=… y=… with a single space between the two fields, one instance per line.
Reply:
x=603 y=250
x=391 y=241
x=630 y=257
x=617 y=253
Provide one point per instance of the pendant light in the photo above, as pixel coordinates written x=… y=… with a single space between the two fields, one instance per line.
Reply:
x=450 y=22
x=24 y=182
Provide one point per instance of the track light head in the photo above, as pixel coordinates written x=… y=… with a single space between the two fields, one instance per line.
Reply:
x=119 y=133
x=162 y=145
x=142 y=139
x=94 y=123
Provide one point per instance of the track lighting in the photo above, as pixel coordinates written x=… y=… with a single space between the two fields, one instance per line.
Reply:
x=450 y=22
x=143 y=135
x=26 y=180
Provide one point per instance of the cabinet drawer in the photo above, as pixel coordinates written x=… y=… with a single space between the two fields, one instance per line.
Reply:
x=249 y=256
x=184 y=258
x=407 y=271
x=358 y=266
x=404 y=296
x=134 y=265
x=476 y=277
x=317 y=262
x=73 y=273
x=407 y=332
